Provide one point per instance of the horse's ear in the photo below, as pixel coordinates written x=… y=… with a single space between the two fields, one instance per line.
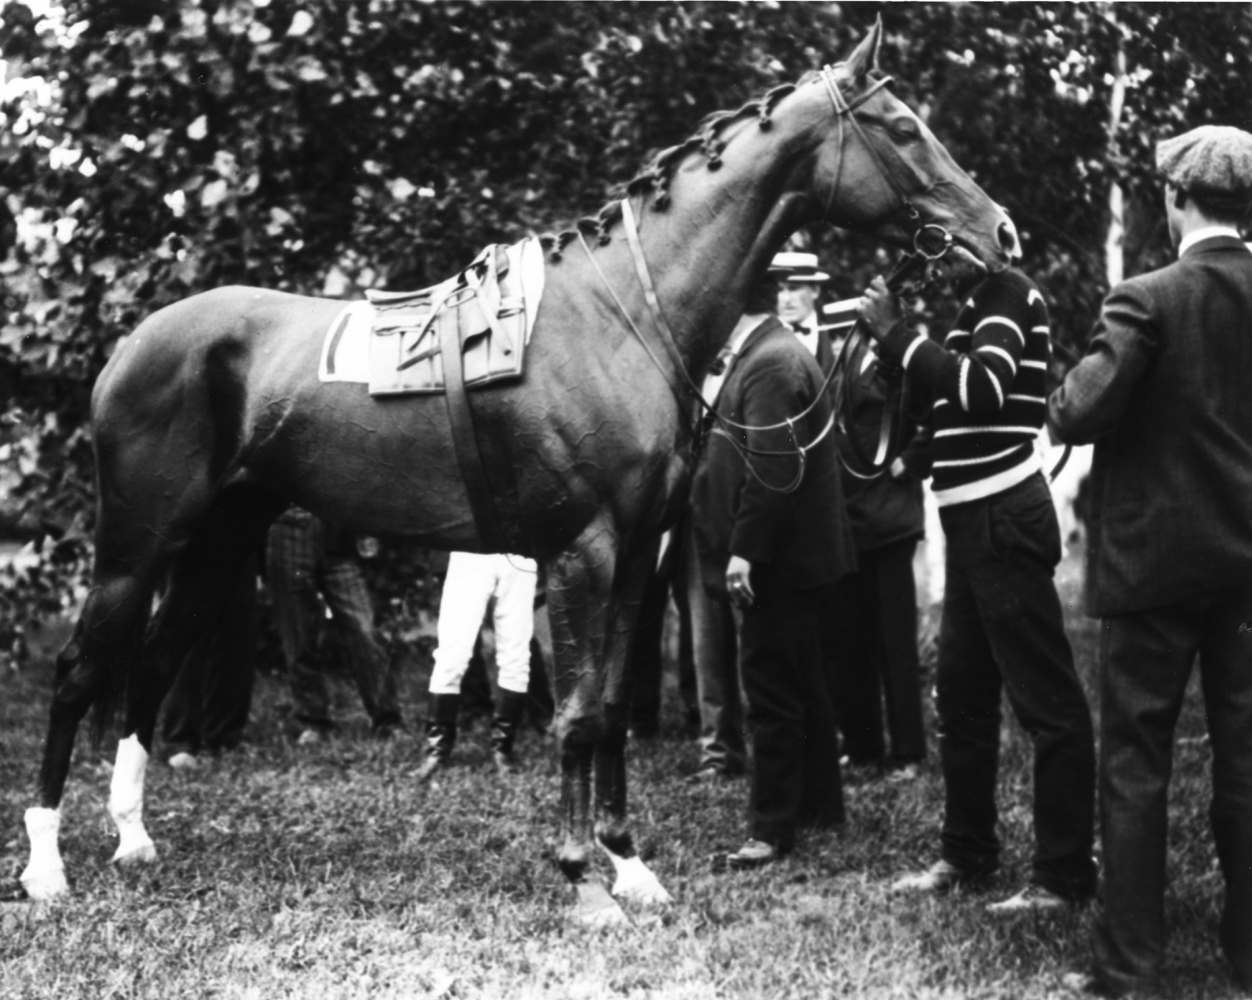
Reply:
x=864 y=58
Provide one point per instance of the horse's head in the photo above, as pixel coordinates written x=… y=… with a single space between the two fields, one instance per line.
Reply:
x=875 y=147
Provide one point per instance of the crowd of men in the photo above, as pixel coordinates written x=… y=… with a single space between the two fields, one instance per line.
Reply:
x=1162 y=394
x=794 y=579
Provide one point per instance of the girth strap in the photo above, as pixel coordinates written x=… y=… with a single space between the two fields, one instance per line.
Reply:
x=464 y=441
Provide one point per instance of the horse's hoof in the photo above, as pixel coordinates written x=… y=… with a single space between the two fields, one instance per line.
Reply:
x=636 y=884
x=45 y=885
x=596 y=909
x=644 y=893
x=129 y=855
x=429 y=767
x=505 y=763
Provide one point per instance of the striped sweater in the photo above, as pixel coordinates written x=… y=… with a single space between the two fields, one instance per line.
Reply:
x=988 y=381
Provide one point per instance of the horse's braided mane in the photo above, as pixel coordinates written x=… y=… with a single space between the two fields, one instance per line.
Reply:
x=655 y=177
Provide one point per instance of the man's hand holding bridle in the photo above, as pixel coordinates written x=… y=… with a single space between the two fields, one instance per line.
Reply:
x=880 y=309
x=738 y=585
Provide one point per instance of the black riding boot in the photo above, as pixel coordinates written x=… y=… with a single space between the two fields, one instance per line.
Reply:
x=509 y=708
x=440 y=733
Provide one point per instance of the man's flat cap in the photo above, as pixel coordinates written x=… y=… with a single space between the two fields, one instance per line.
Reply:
x=1213 y=161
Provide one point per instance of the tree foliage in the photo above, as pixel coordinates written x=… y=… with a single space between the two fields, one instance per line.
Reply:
x=151 y=149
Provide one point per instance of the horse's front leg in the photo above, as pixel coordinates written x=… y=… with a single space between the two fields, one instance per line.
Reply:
x=580 y=583
x=635 y=881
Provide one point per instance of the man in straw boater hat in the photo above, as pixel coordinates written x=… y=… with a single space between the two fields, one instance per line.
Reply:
x=1163 y=392
x=799 y=287
x=869 y=637
x=772 y=537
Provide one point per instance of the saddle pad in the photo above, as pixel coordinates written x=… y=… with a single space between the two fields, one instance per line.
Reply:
x=392 y=341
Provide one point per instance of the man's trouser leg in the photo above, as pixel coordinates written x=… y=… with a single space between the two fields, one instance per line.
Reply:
x=1007 y=547
x=292 y=554
x=849 y=637
x=821 y=806
x=897 y=624
x=232 y=665
x=352 y=617
x=715 y=652
x=1146 y=661
x=789 y=784
x=1226 y=676
x=968 y=702
x=514 y=621
x=467 y=588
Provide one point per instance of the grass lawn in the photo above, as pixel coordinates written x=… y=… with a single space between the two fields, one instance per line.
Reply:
x=325 y=871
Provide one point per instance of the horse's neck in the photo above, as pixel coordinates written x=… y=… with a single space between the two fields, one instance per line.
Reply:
x=716 y=239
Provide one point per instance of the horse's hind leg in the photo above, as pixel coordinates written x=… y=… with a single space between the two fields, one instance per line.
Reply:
x=580 y=581
x=199 y=579
x=108 y=630
x=635 y=881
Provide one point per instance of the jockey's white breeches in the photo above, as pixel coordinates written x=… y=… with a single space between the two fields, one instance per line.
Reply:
x=472 y=581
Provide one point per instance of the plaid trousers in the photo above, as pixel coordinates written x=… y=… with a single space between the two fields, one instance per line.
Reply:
x=303 y=574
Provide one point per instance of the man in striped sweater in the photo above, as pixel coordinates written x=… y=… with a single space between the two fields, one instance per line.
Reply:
x=1002 y=626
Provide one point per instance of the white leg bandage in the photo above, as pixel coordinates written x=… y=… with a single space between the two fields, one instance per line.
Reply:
x=636 y=882
x=44 y=877
x=126 y=803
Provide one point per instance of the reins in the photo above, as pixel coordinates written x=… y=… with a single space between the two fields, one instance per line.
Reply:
x=857 y=344
x=685 y=384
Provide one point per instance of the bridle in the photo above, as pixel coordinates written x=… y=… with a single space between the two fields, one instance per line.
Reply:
x=930 y=242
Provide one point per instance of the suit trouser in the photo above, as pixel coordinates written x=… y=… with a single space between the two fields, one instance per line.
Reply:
x=1002 y=627
x=299 y=571
x=1145 y=662
x=472 y=580
x=878 y=659
x=207 y=708
x=795 y=780
x=715 y=653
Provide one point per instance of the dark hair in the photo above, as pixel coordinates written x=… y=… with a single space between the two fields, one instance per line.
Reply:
x=764 y=297
x=1221 y=207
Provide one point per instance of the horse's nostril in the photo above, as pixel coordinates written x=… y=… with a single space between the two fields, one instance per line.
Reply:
x=1007 y=235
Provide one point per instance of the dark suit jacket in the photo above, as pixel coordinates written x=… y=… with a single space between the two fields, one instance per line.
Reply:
x=1165 y=392
x=884 y=509
x=795 y=540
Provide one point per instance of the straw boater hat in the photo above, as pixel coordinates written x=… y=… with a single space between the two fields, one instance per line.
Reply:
x=1212 y=162
x=792 y=268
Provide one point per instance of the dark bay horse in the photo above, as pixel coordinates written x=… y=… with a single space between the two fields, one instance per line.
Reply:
x=210 y=419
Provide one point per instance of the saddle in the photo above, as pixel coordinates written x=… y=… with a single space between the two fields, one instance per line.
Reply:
x=466 y=332
x=483 y=315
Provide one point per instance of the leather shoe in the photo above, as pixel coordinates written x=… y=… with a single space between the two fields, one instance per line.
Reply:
x=1088 y=984
x=1032 y=899
x=184 y=760
x=753 y=854
x=941 y=877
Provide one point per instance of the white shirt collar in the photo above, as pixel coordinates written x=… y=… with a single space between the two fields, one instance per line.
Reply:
x=1207 y=233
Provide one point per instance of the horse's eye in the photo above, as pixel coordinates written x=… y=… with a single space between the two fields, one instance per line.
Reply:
x=905 y=130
